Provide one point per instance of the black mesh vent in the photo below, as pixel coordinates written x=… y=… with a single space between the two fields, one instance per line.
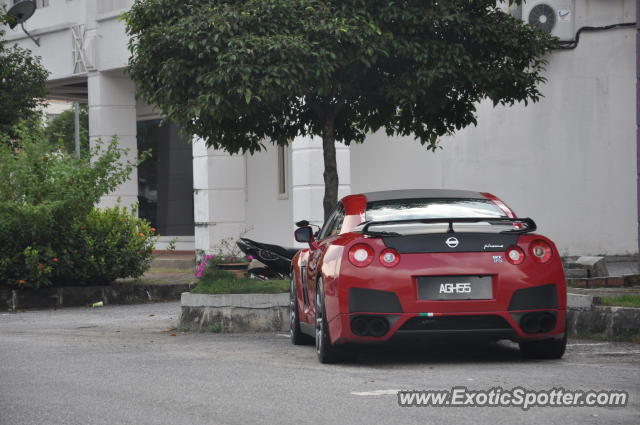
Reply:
x=363 y=300
x=455 y=323
x=535 y=298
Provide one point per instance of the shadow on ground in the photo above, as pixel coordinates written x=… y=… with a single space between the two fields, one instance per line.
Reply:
x=437 y=352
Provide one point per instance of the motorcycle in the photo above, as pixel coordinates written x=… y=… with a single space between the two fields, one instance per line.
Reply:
x=269 y=261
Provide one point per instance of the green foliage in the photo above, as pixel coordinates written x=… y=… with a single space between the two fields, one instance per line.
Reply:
x=241 y=286
x=214 y=280
x=22 y=83
x=238 y=73
x=108 y=244
x=630 y=300
x=96 y=248
x=36 y=172
x=61 y=130
x=50 y=231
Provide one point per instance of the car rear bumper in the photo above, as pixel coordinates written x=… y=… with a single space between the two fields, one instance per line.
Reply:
x=496 y=325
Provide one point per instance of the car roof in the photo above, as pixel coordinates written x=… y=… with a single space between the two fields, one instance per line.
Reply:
x=387 y=195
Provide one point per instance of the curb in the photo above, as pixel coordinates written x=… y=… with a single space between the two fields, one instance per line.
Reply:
x=612 y=323
x=237 y=313
x=605 y=282
x=579 y=301
x=77 y=296
x=234 y=313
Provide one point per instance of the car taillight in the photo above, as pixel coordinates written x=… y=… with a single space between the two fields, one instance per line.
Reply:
x=389 y=257
x=361 y=255
x=515 y=255
x=541 y=251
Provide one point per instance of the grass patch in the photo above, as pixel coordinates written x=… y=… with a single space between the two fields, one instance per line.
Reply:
x=621 y=301
x=241 y=286
x=217 y=281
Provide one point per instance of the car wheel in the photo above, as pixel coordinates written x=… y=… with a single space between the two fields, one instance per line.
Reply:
x=297 y=337
x=326 y=351
x=544 y=349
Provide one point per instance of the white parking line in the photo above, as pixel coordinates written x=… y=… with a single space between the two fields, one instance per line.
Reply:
x=375 y=392
x=591 y=343
x=609 y=353
x=634 y=369
x=283 y=335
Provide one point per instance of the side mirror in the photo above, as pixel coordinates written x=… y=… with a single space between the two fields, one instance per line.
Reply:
x=304 y=234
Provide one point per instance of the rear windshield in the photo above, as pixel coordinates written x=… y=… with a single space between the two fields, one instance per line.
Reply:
x=410 y=209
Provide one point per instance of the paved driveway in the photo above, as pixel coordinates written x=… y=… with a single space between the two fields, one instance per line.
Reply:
x=121 y=365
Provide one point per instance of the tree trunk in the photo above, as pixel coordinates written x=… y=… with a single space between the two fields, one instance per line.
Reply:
x=330 y=169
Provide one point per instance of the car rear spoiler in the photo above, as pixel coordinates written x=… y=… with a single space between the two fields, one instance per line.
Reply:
x=528 y=225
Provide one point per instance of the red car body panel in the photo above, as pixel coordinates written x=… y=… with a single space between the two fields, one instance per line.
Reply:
x=328 y=259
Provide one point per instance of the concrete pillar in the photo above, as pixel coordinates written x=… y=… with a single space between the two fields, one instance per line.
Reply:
x=112 y=112
x=219 y=185
x=307 y=177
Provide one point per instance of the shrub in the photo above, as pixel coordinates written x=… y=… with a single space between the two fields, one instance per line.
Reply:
x=50 y=231
x=105 y=245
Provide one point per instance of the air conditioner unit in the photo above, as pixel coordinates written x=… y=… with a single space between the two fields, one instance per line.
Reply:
x=554 y=16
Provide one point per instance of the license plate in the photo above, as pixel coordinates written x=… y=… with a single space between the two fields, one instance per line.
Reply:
x=455 y=288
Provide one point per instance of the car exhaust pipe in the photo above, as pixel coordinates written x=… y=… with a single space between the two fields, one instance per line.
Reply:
x=534 y=323
x=369 y=326
x=547 y=322
x=378 y=326
x=530 y=323
x=360 y=326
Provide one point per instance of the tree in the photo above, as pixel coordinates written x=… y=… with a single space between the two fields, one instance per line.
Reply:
x=241 y=72
x=22 y=83
x=61 y=129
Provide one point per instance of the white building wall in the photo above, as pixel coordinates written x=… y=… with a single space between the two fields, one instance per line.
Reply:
x=104 y=40
x=568 y=161
x=308 y=180
x=219 y=186
x=269 y=214
x=112 y=33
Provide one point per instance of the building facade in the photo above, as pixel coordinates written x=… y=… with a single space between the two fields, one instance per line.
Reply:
x=568 y=161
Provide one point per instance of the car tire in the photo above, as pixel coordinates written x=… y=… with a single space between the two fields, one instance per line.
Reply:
x=327 y=352
x=544 y=349
x=297 y=337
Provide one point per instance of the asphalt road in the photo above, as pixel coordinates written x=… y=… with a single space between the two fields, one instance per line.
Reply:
x=122 y=365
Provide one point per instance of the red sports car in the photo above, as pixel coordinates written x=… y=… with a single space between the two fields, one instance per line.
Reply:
x=426 y=263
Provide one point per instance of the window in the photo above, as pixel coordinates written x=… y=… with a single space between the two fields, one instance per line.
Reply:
x=282 y=172
x=339 y=220
x=165 y=180
x=334 y=223
x=409 y=209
